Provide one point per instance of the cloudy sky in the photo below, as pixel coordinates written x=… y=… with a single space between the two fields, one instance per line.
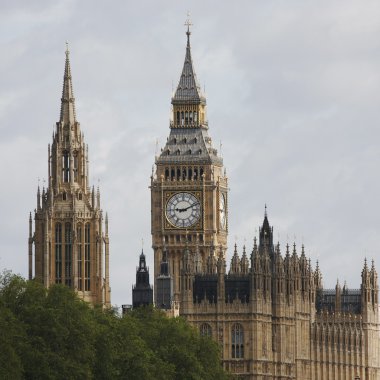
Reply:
x=293 y=92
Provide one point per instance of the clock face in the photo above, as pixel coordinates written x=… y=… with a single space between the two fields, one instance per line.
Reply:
x=222 y=211
x=183 y=210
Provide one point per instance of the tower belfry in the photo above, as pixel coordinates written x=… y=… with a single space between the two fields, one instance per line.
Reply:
x=189 y=187
x=70 y=245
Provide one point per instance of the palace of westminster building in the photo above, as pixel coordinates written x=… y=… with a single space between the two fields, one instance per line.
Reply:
x=268 y=312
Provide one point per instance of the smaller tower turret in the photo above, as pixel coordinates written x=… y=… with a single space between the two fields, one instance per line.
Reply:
x=142 y=292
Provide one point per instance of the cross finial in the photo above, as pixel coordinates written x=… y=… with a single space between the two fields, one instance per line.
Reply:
x=188 y=23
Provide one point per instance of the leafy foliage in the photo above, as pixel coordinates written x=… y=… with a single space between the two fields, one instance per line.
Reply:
x=52 y=334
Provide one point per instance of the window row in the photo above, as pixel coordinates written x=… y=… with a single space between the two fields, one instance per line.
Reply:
x=237 y=338
x=183 y=173
x=64 y=255
x=186 y=117
x=66 y=173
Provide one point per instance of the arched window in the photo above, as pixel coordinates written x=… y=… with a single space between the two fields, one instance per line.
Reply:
x=166 y=174
x=65 y=167
x=172 y=174
x=178 y=117
x=75 y=169
x=58 y=253
x=68 y=254
x=80 y=258
x=87 y=262
x=195 y=117
x=186 y=117
x=205 y=330
x=182 y=118
x=237 y=341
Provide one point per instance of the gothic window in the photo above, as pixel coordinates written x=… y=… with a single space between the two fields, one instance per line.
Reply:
x=195 y=173
x=80 y=196
x=205 y=330
x=237 y=340
x=87 y=262
x=68 y=254
x=174 y=141
x=64 y=196
x=172 y=175
x=186 y=118
x=80 y=259
x=58 y=253
x=75 y=167
x=185 y=140
x=183 y=174
x=166 y=174
x=182 y=118
x=178 y=174
x=201 y=172
x=178 y=117
x=190 y=117
x=195 y=116
x=190 y=171
x=65 y=167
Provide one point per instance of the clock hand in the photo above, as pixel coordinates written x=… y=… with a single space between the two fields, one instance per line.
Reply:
x=186 y=208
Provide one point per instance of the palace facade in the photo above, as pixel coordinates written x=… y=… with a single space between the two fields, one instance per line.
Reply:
x=269 y=311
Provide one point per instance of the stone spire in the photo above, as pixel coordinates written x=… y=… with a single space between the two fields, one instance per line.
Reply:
x=188 y=89
x=67 y=115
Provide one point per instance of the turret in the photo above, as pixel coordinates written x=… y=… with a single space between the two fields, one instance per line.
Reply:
x=142 y=292
x=164 y=283
x=244 y=263
x=235 y=262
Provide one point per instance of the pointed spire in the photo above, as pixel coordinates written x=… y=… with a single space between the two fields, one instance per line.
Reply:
x=38 y=198
x=67 y=115
x=30 y=225
x=106 y=223
x=188 y=89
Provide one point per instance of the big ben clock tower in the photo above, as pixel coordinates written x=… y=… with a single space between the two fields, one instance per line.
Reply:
x=189 y=191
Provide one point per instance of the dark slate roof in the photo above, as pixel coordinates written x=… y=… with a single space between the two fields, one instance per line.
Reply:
x=192 y=145
x=350 y=300
x=188 y=89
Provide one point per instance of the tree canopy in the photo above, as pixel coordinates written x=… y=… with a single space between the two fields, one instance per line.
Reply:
x=52 y=334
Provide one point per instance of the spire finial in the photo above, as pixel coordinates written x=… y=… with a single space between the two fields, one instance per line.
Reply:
x=265 y=212
x=188 y=24
x=67 y=49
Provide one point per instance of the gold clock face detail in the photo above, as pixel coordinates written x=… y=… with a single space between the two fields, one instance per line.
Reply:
x=222 y=211
x=183 y=210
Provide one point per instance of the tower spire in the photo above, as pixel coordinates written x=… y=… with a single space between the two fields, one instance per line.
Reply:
x=67 y=115
x=188 y=90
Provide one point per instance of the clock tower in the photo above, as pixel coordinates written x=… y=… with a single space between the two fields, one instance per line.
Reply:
x=189 y=190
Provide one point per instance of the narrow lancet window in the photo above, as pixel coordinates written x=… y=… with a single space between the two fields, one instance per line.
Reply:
x=237 y=339
x=87 y=262
x=58 y=253
x=80 y=259
x=68 y=254
x=75 y=169
x=65 y=167
x=205 y=330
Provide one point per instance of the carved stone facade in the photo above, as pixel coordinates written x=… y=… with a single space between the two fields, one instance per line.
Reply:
x=269 y=312
x=71 y=246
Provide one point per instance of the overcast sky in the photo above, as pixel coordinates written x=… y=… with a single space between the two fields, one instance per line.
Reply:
x=293 y=93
